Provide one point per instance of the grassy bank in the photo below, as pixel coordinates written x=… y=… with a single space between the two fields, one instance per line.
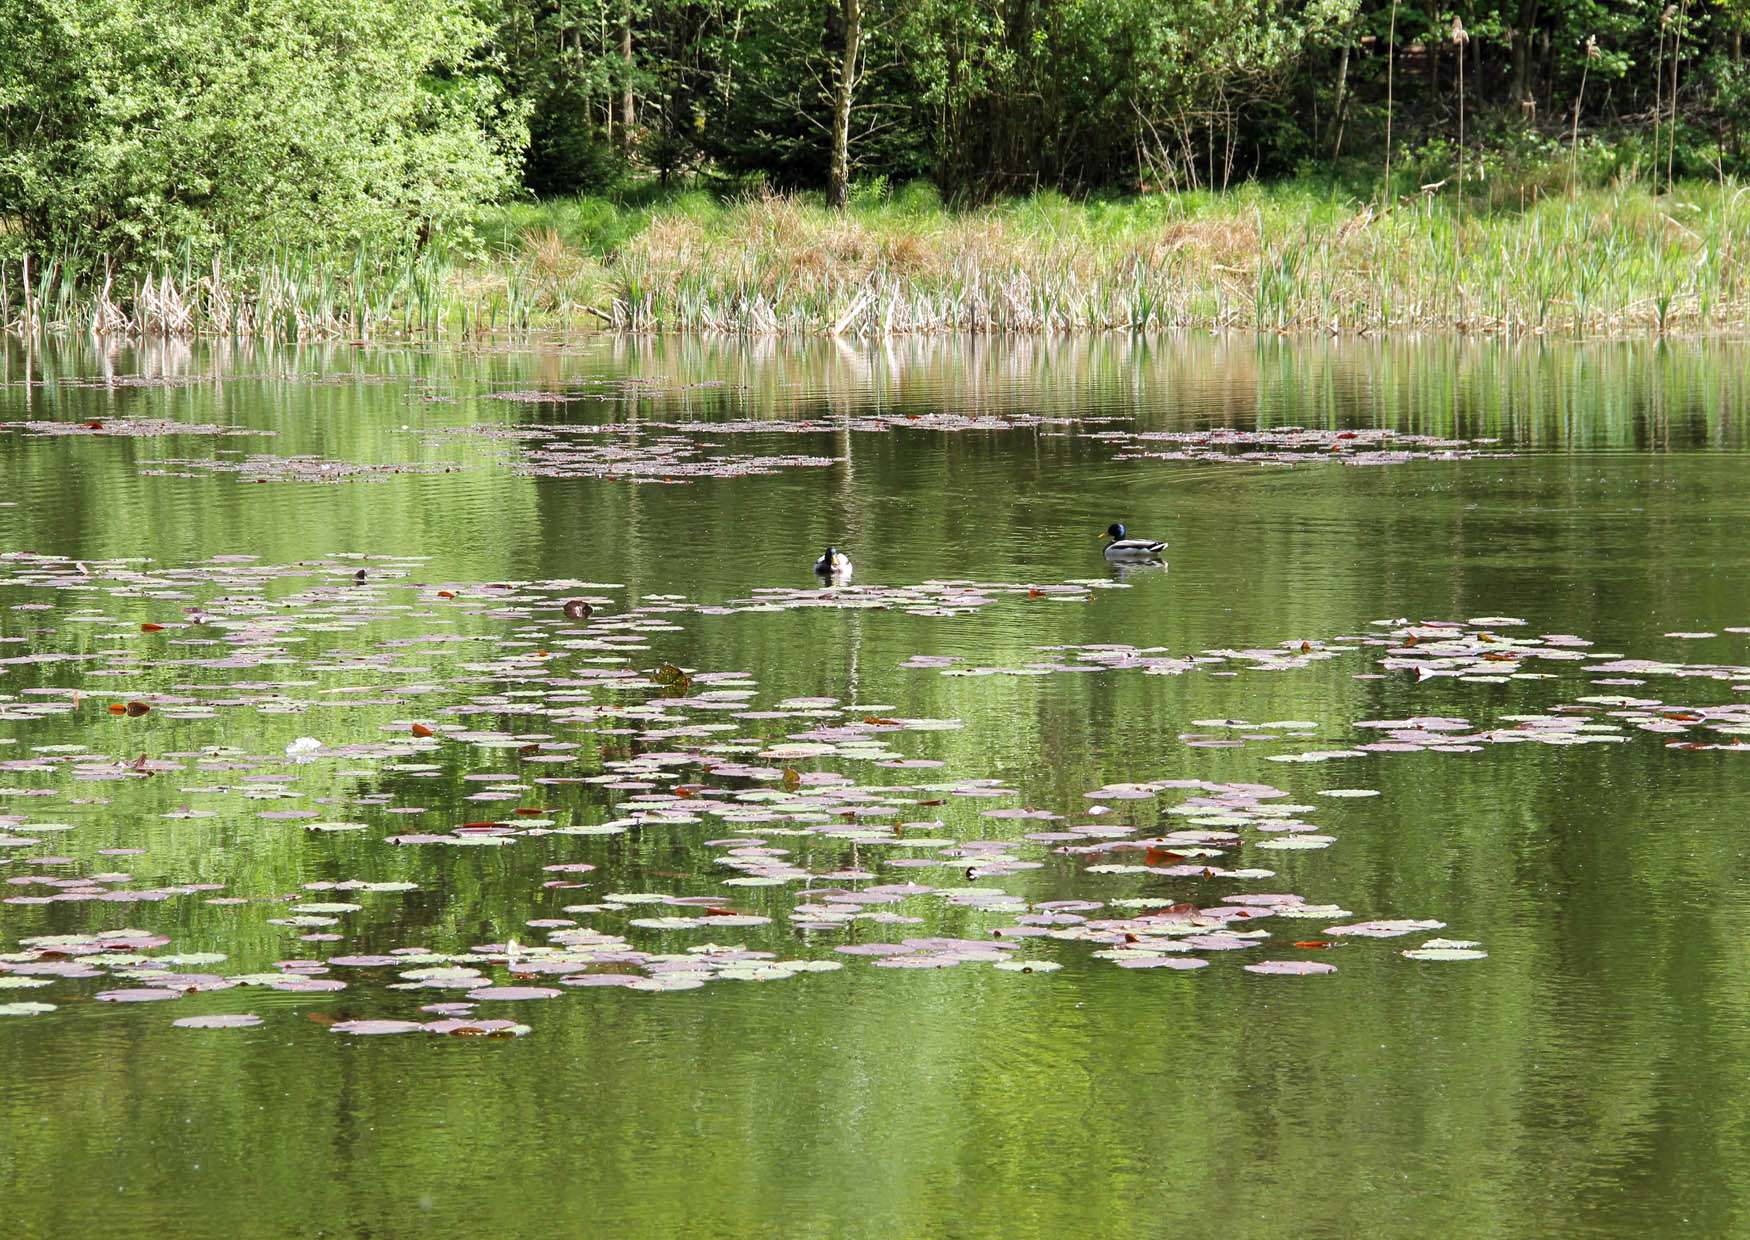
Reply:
x=1287 y=258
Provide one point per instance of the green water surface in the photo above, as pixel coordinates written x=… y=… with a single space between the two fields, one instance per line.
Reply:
x=1591 y=1077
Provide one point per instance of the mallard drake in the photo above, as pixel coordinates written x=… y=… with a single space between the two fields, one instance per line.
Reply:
x=1121 y=548
x=834 y=565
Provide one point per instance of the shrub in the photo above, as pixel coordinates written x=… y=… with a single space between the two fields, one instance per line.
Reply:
x=146 y=128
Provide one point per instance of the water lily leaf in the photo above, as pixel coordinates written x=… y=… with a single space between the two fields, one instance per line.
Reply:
x=1446 y=949
x=25 y=1009
x=234 y=1021
x=376 y=1028
x=1027 y=966
x=1291 y=968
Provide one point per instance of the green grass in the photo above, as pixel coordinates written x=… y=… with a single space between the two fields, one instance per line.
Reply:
x=1289 y=257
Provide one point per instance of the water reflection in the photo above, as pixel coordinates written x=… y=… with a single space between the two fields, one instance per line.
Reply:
x=1579 y=1081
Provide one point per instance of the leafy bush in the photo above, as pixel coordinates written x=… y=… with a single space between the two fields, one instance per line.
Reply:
x=139 y=129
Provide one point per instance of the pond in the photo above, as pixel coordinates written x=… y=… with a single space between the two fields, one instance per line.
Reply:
x=1374 y=865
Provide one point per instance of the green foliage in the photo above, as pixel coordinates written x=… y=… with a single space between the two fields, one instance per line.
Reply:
x=153 y=132
x=141 y=128
x=988 y=97
x=1512 y=165
x=557 y=61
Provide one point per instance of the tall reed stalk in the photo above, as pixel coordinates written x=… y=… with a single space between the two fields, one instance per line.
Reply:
x=1459 y=39
x=1391 y=45
x=1666 y=16
x=1676 y=60
x=1579 y=101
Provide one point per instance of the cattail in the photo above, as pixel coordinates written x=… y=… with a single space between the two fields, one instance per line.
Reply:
x=1459 y=38
x=1391 y=47
x=1676 y=57
x=1665 y=19
x=1592 y=53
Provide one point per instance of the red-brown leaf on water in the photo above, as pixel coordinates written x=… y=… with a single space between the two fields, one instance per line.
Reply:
x=1312 y=944
x=419 y=729
x=149 y=627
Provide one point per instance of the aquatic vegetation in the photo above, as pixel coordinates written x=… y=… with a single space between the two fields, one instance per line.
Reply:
x=130 y=428
x=812 y=845
x=1290 y=445
x=262 y=467
x=1446 y=949
x=686 y=828
x=641 y=760
x=652 y=450
x=667 y=459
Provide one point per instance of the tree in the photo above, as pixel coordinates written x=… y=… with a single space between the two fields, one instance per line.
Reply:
x=138 y=129
x=838 y=192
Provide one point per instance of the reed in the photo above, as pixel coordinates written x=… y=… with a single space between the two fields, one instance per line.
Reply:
x=1617 y=261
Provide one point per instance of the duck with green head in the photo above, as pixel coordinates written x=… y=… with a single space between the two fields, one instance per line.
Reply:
x=834 y=566
x=1118 y=547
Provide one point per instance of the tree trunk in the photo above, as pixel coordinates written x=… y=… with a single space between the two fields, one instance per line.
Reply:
x=628 y=113
x=1433 y=46
x=1342 y=95
x=838 y=189
x=1522 y=31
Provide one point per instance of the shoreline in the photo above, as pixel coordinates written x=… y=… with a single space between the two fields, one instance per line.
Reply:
x=1621 y=263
